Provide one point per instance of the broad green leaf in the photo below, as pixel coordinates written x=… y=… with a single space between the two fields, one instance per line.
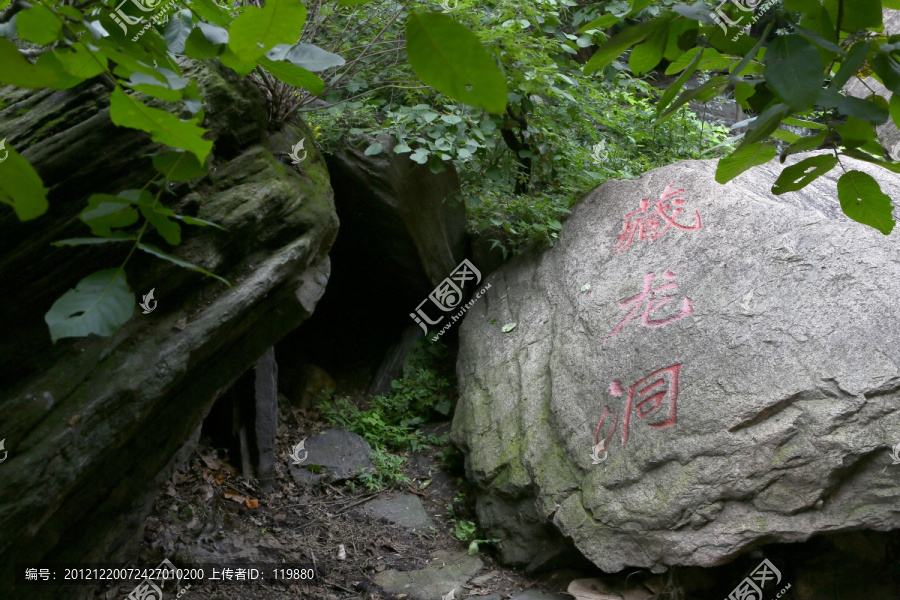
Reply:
x=214 y=33
x=153 y=87
x=151 y=249
x=618 y=44
x=448 y=57
x=804 y=145
x=169 y=230
x=857 y=14
x=887 y=69
x=803 y=123
x=894 y=109
x=604 y=22
x=209 y=10
x=19 y=72
x=682 y=37
x=104 y=212
x=164 y=127
x=766 y=123
x=647 y=54
x=257 y=30
x=856 y=132
x=100 y=303
x=78 y=61
x=863 y=109
x=198 y=46
x=20 y=185
x=178 y=29
x=683 y=61
x=308 y=56
x=198 y=222
x=744 y=158
x=179 y=166
x=796 y=177
x=794 y=71
x=701 y=93
x=293 y=75
x=38 y=24
x=373 y=149
x=678 y=84
x=863 y=201
x=230 y=60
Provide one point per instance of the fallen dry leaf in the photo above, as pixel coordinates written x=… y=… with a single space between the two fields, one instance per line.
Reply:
x=75 y=420
x=251 y=502
x=233 y=495
x=212 y=462
x=220 y=477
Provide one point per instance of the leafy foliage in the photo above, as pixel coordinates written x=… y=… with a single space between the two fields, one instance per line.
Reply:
x=793 y=74
x=137 y=49
x=562 y=133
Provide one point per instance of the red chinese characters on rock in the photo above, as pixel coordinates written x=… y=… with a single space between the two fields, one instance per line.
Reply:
x=655 y=393
x=652 y=220
x=653 y=302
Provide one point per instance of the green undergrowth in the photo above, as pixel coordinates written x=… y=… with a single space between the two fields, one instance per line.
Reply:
x=391 y=423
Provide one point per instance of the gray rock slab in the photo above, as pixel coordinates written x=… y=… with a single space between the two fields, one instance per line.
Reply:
x=737 y=350
x=341 y=455
x=402 y=509
x=435 y=581
x=539 y=595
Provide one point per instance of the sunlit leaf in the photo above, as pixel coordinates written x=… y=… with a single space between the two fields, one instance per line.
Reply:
x=38 y=24
x=863 y=201
x=450 y=58
x=20 y=185
x=257 y=30
x=744 y=158
x=100 y=303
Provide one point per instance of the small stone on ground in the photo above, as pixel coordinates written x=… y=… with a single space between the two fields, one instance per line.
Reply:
x=402 y=509
x=436 y=580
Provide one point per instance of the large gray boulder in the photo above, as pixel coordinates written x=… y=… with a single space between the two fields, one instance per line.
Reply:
x=742 y=359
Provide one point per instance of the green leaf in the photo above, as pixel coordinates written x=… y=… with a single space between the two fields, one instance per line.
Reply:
x=863 y=201
x=806 y=171
x=169 y=230
x=702 y=93
x=257 y=30
x=766 y=123
x=100 y=303
x=38 y=24
x=744 y=158
x=179 y=166
x=508 y=327
x=647 y=55
x=857 y=14
x=151 y=249
x=198 y=46
x=678 y=84
x=19 y=72
x=80 y=62
x=684 y=61
x=293 y=75
x=105 y=212
x=374 y=148
x=863 y=109
x=887 y=69
x=20 y=185
x=618 y=44
x=794 y=71
x=230 y=60
x=177 y=31
x=448 y=57
x=208 y=10
x=198 y=222
x=894 y=109
x=163 y=127
x=804 y=145
x=308 y=56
